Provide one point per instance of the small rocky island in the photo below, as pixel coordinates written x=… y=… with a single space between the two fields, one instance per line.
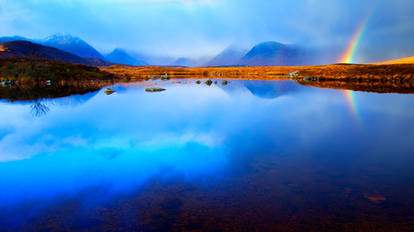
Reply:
x=109 y=91
x=154 y=89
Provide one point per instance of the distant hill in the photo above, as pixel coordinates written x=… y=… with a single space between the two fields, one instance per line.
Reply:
x=273 y=54
x=12 y=38
x=229 y=56
x=120 y=56
x=407 y=60
x=26 y=49
x=72 y=45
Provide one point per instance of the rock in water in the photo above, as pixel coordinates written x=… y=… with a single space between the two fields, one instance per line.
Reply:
x=375 y=198
x=109 y=91
x=154 y=89
x=165 y=77
x=307 y=79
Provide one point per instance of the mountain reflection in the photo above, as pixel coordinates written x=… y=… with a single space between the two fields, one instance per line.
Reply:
x=272 y=89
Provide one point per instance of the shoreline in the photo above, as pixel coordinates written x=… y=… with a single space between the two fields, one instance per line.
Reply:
x=403 y=72
x=380 y=78
x=48 y=78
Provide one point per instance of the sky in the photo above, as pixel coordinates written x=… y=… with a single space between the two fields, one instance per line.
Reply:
x=202 y=28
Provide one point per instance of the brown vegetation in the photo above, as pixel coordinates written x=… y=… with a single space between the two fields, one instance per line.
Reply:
x=37 y=70
x=407 y=60
x=146 y=72
x=398 y=78
x=31 y=79
x=338 y=71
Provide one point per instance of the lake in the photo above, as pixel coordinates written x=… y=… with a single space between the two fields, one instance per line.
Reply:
x=247 y=156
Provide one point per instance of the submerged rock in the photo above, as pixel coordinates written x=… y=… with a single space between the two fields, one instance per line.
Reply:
x=209 y=82
x=109 y=91
x=198 y=82
x=154 y=89
x=224 y=82
x=375 y=198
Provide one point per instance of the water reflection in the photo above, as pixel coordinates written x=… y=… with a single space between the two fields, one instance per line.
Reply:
x=272 y=89
x=212 y=157
x=42 y=98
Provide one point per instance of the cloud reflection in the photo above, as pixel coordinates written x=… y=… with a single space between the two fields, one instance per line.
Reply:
x=123 y=139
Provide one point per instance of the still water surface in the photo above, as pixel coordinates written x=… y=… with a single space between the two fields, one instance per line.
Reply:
x=251 y=155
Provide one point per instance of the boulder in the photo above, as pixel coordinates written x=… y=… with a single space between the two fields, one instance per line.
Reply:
x=165 y=77
x=154 y=89
x=109 y=91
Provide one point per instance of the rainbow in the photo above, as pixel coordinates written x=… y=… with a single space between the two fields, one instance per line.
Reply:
x=348 y=55
x=350 y=98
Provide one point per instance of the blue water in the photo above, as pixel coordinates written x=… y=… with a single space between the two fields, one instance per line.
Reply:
x=251 y=155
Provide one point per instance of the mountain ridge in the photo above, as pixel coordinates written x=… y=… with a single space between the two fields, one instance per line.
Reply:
x=71 y=44
x=27 y=49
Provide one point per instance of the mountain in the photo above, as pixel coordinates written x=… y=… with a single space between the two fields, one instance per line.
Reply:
x=72 y=45
x=228 y=57
x=120 y=56
x=407 y=60
x=65 y=43
x=26 y=49
x=273 y=54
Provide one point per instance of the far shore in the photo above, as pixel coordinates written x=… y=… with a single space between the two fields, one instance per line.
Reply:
x=383 y=78
x=349 y=72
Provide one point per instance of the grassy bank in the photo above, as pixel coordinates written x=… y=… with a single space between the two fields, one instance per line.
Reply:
x=32 y=71
x=329 y=72
x=30 y=79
